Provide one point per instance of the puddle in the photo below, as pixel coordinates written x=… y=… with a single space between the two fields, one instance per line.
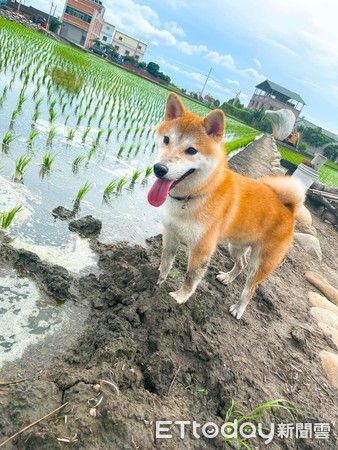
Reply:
x=31 y=329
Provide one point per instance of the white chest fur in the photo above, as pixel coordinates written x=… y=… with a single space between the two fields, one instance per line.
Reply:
x=178 y=217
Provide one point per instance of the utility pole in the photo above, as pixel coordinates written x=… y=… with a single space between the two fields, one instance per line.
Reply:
x=236 y=99
x=205 y=83
x=50 y=12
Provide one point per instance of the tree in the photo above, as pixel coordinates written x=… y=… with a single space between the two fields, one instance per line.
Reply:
x=257 y=116
x=236 y=102
x=54 y=24
x=315 y=137
x=331 y=152
x=153 y=68
x=302 y=147
x=131 y=60
x=111 y=50
x=142 y=65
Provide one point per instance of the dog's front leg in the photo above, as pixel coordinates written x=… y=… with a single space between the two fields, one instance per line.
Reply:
x=170 y=245
x=198 y=262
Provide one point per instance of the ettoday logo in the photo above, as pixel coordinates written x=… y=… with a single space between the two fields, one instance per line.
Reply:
x=246 y=430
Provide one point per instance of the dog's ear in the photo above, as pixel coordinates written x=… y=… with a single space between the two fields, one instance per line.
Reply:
x=174 y=107
x=214 y=124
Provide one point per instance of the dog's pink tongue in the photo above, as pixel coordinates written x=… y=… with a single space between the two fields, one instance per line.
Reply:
x=159 y=192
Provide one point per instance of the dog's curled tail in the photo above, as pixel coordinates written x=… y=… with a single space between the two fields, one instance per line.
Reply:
x=289 y=191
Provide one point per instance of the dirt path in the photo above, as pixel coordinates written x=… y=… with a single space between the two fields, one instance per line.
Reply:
x=175 y=362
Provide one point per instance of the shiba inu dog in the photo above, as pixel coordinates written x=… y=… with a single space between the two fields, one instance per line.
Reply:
x=205 y=203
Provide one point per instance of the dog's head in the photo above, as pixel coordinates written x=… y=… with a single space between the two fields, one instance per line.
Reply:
x=190 y=150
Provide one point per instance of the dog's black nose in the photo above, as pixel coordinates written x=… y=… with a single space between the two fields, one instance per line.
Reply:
x=160 y=170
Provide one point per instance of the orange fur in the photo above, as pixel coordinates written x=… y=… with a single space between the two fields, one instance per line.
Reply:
x=224 y=206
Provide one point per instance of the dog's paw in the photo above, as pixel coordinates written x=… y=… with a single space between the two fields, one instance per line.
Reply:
x=237 y=310
x=224 y=278
x=162 y=276
x=179 y=296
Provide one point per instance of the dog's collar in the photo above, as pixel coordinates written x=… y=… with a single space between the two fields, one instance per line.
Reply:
x=182 y=199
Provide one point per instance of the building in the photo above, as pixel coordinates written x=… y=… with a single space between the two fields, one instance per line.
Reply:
x=107 y=33
x=129 y=46
x=82 y=21
x=274 y=97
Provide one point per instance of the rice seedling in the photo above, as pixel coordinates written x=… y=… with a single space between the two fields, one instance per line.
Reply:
x=15 y=114
x=6 y=141
x=76 y=163
x=7 y=217
x=32 y=136
x=121 y=150
x=148 y=172
x=79 y=119
x=36 y=115
x=52 y=115
x=109 y=132
x=135 y=175
x=98 y=137
x=122 y=181
x=20 y=167
x=47 y=160
x=109 y=191
x=91 y=152
x=71 y=133
x=85 y=134
x=128 y=132
x=81 y=193
x=51 y=135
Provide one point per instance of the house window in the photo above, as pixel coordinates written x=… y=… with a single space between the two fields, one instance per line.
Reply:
x=108 y=28
x=104 y=38
x=137 y=57
x=127 y=53
x=139 y=47
x=120 y=38
x=78 y=14
x=117 y=47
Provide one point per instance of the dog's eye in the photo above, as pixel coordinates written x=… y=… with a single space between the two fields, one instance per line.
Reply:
x=190 y=151
x=166 y=140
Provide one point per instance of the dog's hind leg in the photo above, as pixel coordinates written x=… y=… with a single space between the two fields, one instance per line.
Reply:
x=239 y=255
x=263 y=261
x=170 y=245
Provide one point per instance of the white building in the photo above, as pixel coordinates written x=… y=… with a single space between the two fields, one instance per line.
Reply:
x=129 y=46
x=107 y=33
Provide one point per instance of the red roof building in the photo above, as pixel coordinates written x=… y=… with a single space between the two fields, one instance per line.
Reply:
x=82 y=21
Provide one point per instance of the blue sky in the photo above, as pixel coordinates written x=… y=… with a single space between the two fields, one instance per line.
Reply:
x=293 y=43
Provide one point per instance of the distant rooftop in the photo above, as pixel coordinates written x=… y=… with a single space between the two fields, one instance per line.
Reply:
x=279 y=91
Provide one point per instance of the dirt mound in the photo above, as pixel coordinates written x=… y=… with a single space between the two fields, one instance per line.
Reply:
x=163 y=361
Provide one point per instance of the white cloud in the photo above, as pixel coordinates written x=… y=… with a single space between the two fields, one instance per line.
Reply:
x=189 y=49
x=177 y=4
x=252 y=74
x=234 y=82
x=174 y=29
x=257 y=62
x=221 y=60
x=138 y=20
